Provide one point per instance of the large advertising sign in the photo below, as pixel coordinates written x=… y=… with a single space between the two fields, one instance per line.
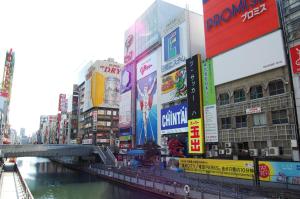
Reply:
x=174 y=86
x=146 y=114
x=209 y=102
x=267 y=53
x=147 y=65
x=228 y=168
x=129 y=45
x=295 y=58
x=284 y=172
x=195 y=112
x=174 y=119
x=126 y=78
x=229 y=24
x=102 y=87
x=174 y=45
x=62 y=103
x=125 y=110
x=8 y=74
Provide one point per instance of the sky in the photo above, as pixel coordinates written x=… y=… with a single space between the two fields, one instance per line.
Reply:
x=53 y=39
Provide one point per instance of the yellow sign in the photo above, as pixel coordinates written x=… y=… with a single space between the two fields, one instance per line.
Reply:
x=195 y=136
x=97 y=89
x=228 y=168
x=168 y=83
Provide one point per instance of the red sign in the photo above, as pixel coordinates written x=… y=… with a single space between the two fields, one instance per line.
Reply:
x=295 y=58
x=229 y=24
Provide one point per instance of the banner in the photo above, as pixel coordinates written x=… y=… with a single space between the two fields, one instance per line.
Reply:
x=209 y=102
x=174 y=86
x=146 y=114
x=174 y=119
x=126 y=78
x=125 y=110
x=102 y=86
x=295 y=58
x=195 y=112
x=228 y=168
x=129 y=46
x=148 y=64
x=282 y=172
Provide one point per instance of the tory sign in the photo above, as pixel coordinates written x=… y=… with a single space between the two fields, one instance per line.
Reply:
x=229 y=24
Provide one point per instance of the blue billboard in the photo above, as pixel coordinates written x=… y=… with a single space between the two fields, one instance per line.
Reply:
x=172 y=45
x=174 y=119
x=146 y=109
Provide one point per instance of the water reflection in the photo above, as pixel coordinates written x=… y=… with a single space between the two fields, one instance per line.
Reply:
x=48 y=180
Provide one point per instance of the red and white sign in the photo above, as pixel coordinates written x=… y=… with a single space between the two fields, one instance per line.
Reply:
x=253 y=110
x=129 y=45
x=229 y=24
x=148 y=64
x=295 y=58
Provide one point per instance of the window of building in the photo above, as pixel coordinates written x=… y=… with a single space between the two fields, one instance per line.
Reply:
x=101 y=123
x=279 y=117
x=259 y=119
x=239 y=95
x=276 y=87
x=101 y=112
x=241 y=121
x=224 y=98
x=108 y=112
x=114 y=113
x=226 y=123
x=256 y=92
x=108 y=123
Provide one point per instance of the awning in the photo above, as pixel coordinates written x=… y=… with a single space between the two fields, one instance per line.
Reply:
x=136 y=152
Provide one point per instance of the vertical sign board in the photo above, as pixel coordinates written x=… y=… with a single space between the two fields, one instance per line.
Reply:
x=95 y=120
x=195 y=116
x=209 y=102
x=295 y=58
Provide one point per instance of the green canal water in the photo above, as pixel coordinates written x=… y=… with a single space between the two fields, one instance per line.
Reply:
x=49 y=180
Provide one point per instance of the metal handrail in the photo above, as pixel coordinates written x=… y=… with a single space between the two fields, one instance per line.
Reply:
x=28 y=193
x=112 y=156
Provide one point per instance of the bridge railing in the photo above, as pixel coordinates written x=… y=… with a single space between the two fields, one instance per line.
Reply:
x=111 y=155
x=28 y=194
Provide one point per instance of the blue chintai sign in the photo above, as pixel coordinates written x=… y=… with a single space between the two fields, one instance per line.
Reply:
x=174 y=119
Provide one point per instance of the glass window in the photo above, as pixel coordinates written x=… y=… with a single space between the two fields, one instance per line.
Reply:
x=239 y=95
x=259 y=119
x=276 y=87
x=101 y=112
x=256 y=92
x=108 y=112
x=226 y=123
x=114 y=113
x=279 y=117
x=101 y=123
x=241 y=121
x=224 y=98
x=108 y=123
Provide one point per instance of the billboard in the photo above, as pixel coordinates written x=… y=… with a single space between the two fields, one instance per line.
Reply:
x=148 y=65
x=174 y=86
x=62 y=103
x=125 y=110
x=195 y=112
x=175 y=45
x=228 y=168
x=266 y=52
x=209 y=102
x=295 y=58
x=146 y=114
x=129 y=45
x=102 y=87
x=174 y=119
x=229 y=24
x=126 y=78
x=8 y=74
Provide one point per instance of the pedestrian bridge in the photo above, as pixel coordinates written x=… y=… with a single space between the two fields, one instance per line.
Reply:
x=46 y=150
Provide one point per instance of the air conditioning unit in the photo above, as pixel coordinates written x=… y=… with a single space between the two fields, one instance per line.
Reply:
x=209 y=154
x=221 y=151
x=214 y=147
x=253 y=152
x=228 y=151
x=273 y=151
x=228 y=145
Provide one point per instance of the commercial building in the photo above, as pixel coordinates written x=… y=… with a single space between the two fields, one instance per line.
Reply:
x=255 y=105
x=48 y=129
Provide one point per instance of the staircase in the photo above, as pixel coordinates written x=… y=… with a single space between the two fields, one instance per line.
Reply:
x=106 y=155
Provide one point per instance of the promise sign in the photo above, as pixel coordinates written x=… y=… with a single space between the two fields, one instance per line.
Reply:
x=195 y=113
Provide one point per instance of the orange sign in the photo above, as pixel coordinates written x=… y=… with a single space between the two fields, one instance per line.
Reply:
x=229 y=24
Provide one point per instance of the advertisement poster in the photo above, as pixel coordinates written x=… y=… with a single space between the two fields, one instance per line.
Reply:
x=209 y=102
x=129 y=45
x=125 y=110
x=174 y=45
x=8 y=74
x=228 y=168
x=148 y=65
x=126 y=78
x=146 y=114
x=174 y=86
x=174 y=119
x=195 y=115
x=282 y=172
x=102 y=87
x=295 y=58
x=229 y=24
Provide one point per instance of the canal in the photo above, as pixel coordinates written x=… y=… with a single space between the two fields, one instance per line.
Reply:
x=49 y=180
